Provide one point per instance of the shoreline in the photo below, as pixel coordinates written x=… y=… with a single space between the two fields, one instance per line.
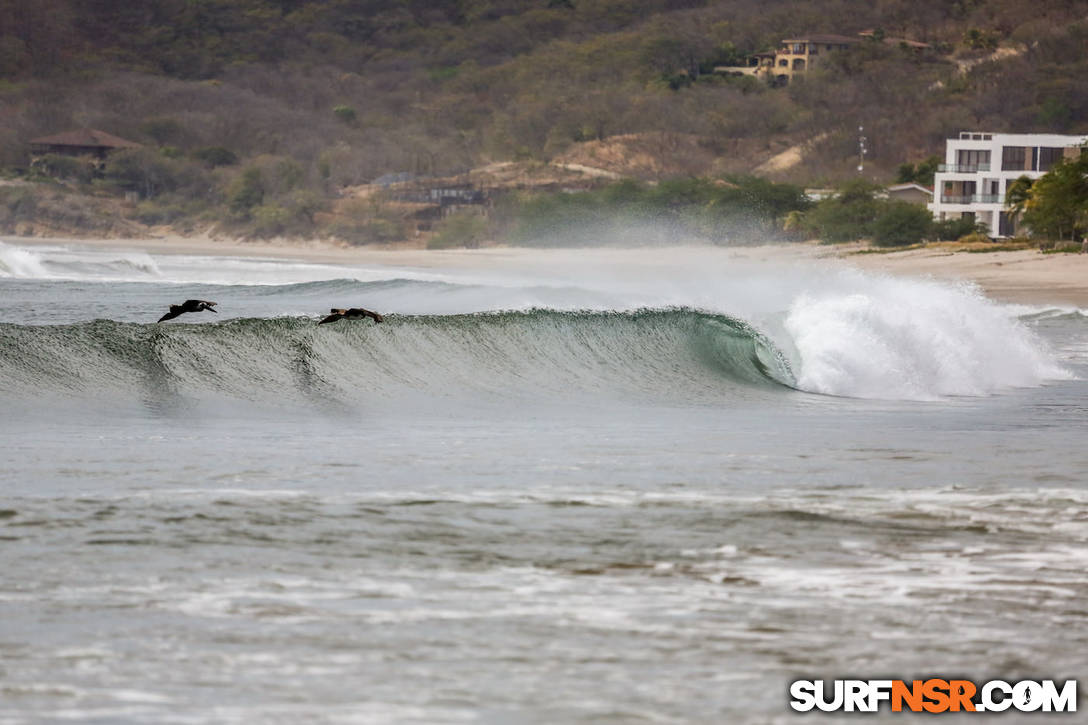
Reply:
x=1025 y=276
x=1018 y=277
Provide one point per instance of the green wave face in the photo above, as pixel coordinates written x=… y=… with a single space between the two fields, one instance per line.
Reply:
x=681 y=355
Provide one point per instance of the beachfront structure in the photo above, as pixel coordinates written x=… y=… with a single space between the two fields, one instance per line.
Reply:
x=910 y=193
x=81 y=142
x=979 y=167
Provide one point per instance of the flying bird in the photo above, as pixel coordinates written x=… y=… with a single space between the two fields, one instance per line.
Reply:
x=355 y=313
x=187 y=306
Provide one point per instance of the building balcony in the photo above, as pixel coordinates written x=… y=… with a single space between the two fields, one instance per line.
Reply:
x=973 y=199
x=963 y=168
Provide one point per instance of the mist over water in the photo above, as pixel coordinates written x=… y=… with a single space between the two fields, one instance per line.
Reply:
x=597 y=485
x=834 y=330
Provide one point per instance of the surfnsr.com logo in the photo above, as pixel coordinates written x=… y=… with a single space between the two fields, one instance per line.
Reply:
x=933 y=695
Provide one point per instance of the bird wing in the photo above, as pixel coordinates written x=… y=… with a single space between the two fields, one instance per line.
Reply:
x=363 y=312
x=175 y=310
x=331 y=318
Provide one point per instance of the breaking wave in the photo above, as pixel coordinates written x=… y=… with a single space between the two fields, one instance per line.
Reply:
x=681 y=355
x=696 y=331
x=64 y=263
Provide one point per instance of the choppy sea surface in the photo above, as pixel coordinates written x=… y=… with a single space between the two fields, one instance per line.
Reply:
x=579 y=487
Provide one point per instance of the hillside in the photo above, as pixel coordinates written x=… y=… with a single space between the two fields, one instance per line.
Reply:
x=319 y=96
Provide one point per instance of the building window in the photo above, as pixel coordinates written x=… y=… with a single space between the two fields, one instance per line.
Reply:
x=784 y=62
x=1048 y=156
x=971 y=160
x=799 y=64
x=1013 y=158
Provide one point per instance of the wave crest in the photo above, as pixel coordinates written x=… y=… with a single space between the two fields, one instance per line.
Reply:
x=663 y=354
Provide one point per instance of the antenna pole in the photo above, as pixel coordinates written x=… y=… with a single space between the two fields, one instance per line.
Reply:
x=861 y=149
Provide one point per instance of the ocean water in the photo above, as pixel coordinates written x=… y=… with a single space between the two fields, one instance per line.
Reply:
x=603 y=486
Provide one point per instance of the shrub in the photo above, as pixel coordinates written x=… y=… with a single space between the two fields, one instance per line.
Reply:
x=974 y=237
x=246 y=191
x=345 y=114
x=1060 y=248
x=948 y=230
x=464 y=229
x=168 y=210
x=848 y=216
x=66 y=168
x=213 y=156
x=270 y=220
x=162 y=130
x=17 y=204
x=900 y=224
x=147 y=172
x=366 y=221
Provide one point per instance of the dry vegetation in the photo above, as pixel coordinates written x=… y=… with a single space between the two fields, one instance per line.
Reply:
x=315 y=97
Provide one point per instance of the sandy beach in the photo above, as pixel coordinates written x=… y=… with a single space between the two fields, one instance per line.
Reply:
x=1023 y=276
x=1026 y=276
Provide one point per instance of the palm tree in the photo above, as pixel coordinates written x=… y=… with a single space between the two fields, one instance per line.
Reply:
x=1018 y=198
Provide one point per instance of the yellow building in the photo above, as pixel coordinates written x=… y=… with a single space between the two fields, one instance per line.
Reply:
x=796 y=55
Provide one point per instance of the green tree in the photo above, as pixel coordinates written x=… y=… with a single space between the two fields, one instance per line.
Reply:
x=1058 y=206
x=162 y=130
x=900 y=224
x=980 y=39
x=1017 y=196
x=143 y=170
x=465 y=229
x=246 y=192
x=920 y=174
x=214 y=156
x=66 y=168
x=847 y=216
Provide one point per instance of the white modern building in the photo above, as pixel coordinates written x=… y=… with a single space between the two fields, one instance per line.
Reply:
x=978 y=168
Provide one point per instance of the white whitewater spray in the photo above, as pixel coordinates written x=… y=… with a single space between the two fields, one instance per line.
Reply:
x=75 y=263
x=19 y=262
x=912 y=340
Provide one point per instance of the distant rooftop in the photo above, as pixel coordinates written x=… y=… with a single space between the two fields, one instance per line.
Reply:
x=988 y=136
x=820 y=38
x=889 y=40
x=399 y=177
x=86 y=137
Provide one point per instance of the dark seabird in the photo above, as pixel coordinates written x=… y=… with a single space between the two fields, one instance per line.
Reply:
x=187 y=306
x=355 y=313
